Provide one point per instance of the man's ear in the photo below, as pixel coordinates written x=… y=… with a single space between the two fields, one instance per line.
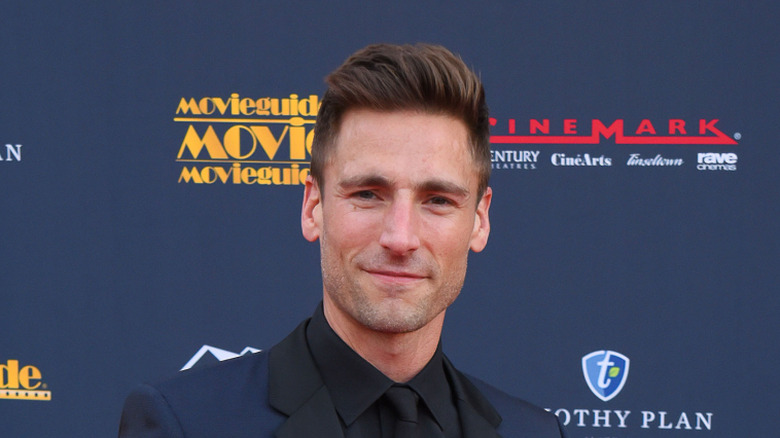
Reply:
x=479 y=236
x=311 y=210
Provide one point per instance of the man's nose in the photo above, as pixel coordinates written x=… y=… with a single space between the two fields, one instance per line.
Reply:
x=400 y=227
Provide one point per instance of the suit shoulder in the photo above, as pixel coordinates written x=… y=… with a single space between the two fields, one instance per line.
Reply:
x=519 y=415
x=222 y=376
x=218 y=400
x=499 y=398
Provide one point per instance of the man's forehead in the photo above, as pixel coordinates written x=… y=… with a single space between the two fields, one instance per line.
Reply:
x=391 y=131
x=367 y=117
x=415 y=146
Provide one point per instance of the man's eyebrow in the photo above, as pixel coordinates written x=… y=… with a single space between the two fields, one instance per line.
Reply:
x=442 y=186
x=364 y=181
x=433 y=185
x=428 y=186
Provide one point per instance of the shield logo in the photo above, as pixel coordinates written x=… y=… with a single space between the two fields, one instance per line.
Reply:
x=605 y=372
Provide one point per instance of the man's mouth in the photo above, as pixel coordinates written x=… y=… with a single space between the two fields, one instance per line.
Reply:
x=395 y=276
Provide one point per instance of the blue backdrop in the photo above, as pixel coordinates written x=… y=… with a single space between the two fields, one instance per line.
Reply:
x=151 y=156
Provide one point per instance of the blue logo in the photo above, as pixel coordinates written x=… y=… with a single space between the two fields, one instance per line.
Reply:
x=605 y=372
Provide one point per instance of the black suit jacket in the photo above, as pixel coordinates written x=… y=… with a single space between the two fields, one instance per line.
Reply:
x=280 y=394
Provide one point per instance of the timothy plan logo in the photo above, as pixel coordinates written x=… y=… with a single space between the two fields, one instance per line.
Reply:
x=605 y=372
x=13 y=153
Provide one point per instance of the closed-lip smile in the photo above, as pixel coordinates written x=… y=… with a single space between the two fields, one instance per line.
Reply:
x=395 y=276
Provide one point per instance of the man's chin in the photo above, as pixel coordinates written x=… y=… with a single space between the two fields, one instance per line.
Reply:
x=395 y=317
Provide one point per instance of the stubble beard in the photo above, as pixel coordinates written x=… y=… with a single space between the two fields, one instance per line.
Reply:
x=391 y=314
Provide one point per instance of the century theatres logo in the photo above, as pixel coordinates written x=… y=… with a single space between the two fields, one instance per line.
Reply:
x=246 y=140
x=595 y=131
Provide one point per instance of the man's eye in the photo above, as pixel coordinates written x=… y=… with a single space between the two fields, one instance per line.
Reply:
x=365 y=194
x=438 y=200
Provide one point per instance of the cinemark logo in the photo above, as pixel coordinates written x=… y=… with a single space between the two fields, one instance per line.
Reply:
x=673 y=131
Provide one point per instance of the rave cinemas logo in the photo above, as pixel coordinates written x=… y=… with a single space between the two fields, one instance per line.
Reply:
x=22 y=382
x=593 y=132
x=605 y=373
x=717 y=161
x=242 y=140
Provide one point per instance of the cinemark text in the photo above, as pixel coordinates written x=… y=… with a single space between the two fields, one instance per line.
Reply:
x=570 y=131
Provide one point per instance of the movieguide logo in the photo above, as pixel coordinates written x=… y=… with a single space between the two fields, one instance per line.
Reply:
x=19 y=382
x=246 y=140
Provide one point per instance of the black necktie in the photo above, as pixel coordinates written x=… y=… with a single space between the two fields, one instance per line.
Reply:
x=404 y=401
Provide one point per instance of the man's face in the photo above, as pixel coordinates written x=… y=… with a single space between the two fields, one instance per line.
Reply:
x=396 y=218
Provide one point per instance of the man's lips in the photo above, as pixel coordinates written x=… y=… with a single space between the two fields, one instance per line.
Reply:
x=395 y=276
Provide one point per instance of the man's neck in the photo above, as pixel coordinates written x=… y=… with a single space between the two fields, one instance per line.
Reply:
x=399 y=356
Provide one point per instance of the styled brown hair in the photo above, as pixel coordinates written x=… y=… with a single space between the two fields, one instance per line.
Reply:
x=388 y=77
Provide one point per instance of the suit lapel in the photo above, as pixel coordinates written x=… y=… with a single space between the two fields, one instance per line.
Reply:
x=317 y=417
x=473 y=424
x=478 y=418
x=296 y=390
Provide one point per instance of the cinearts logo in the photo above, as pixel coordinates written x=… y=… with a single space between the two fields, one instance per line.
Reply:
x=242 y=140
x=645 y=132
x=584 y=160
x=22 y=383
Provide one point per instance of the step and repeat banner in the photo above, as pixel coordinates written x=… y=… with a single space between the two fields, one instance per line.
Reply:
x=152 y=156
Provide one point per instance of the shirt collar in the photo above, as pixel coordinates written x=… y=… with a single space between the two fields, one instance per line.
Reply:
x=434 y=389
x=354 y=384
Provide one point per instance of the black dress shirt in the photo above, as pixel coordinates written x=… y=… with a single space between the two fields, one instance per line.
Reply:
x=356 y=388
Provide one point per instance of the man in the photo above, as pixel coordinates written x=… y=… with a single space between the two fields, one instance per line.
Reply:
x=398 y=195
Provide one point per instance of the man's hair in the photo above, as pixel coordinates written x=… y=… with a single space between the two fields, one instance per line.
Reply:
x=421 y=77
